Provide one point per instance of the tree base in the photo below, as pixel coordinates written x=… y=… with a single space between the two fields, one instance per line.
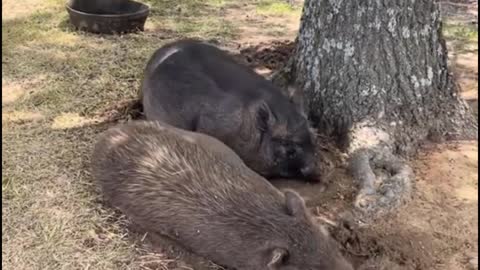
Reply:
x=378 y=144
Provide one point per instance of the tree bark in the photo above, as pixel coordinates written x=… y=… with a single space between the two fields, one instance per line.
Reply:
x=379 y=69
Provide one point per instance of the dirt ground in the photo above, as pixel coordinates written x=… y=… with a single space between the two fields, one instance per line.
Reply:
x=437 y=229
x=61 y=88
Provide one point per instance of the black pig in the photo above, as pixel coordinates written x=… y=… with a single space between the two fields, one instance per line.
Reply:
x=198 y=87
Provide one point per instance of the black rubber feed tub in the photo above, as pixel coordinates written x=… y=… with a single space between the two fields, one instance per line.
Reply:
x=108 y=16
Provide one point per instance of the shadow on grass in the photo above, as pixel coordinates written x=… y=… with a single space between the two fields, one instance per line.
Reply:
x=272 y=56
x=16 y=32
x=84 y=71
x=191 y=18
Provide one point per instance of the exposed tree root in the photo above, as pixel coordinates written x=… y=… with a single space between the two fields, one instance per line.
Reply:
x=385 y=181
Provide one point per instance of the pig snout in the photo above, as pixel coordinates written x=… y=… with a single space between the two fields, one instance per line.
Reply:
x=310 y=172
x=307 y=170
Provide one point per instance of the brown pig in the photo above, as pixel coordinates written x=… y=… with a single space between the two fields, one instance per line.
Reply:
x=195 y=190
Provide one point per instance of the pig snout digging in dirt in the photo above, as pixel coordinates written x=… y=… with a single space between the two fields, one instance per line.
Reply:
x=198 y=87
x=174 y=183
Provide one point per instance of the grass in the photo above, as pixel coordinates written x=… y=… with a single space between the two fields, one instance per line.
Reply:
x=55 y=81
x=49 y=210
x=468 y=33
x=268 y=7
x=463 y=37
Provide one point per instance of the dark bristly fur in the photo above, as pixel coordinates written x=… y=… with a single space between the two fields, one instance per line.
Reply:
x=198 y=87
x=194 y=189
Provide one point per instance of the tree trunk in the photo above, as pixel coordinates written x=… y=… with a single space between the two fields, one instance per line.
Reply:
x=380 y=66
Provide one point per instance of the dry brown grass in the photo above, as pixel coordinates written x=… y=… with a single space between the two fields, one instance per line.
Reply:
x=55 y=80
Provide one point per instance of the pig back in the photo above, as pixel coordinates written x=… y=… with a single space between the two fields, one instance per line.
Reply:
x=145 y=166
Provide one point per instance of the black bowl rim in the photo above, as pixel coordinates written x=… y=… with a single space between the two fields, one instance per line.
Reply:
x=145 y=9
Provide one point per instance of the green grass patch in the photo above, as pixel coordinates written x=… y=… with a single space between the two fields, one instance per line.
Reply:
x=277 y=8
x=206 y=28
x=467 y=33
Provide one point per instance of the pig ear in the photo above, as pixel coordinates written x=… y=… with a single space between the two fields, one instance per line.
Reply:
x=295 y=204
x=262 y=116
x=278 y=256
x=295 y=95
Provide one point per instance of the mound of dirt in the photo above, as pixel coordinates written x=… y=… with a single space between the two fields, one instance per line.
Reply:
x=436 y=230
x=272 y=55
